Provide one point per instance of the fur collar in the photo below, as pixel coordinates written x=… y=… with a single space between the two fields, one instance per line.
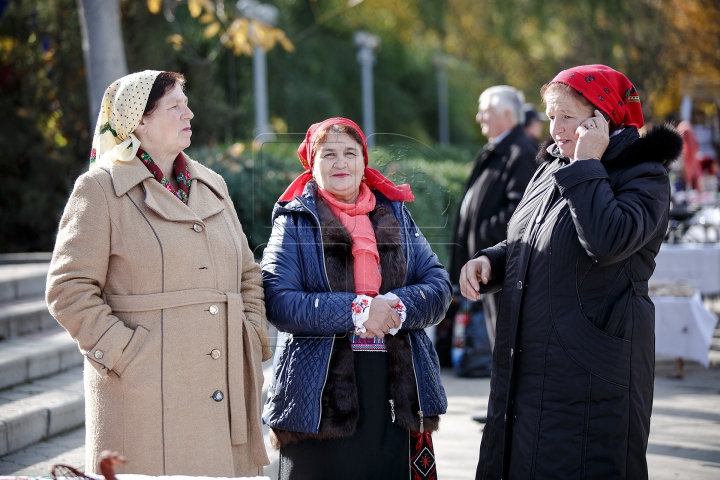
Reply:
x=663 y=144
x=337 y=243
x=340 y=405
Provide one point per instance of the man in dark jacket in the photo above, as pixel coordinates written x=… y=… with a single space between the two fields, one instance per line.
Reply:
x=502 y=170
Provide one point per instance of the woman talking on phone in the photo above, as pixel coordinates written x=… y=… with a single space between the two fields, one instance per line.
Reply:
x=572 y=375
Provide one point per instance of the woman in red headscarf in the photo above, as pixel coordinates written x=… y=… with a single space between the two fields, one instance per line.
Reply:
x=572 y=377
x=351 y=284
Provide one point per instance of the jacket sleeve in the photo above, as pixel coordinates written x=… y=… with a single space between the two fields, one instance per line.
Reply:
x=497 y=256
x=251 y=285
x=289 y=307
x=521 y=167
x=77 y=276
x=428 y=291
x=612 y=225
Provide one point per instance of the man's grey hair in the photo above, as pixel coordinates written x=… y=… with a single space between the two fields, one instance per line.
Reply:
x=505 y=97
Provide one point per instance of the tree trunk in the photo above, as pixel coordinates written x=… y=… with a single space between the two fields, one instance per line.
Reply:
x=103 y=48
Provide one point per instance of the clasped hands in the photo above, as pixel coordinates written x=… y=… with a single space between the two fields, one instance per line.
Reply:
x=381 y=318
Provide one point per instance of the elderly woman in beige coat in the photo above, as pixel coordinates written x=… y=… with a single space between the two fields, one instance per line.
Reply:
x=153 y=277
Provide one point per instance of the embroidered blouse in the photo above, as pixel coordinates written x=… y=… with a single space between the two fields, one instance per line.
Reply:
x=361 y=312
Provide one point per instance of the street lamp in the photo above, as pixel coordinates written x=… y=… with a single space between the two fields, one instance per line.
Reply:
x=267 y=14
x=441 y=63
x=367 y=44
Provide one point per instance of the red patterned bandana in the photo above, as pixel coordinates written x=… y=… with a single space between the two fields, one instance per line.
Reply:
x=180 y=171
x=609 y=90
x=373 y=178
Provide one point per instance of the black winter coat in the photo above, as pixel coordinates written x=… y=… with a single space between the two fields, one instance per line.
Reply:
x=496 y=185
x=573 y=365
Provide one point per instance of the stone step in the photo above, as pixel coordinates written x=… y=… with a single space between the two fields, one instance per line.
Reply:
x=25 y=315
x=30 y=257
x=38 y=459
x=22 y=280
x=714 y=358
x=41 y=409
x=69 y=448
x=36 y=356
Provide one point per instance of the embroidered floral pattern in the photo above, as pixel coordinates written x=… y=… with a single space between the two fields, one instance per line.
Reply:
x=180 y=171
x=361 y=306
x=107 y=128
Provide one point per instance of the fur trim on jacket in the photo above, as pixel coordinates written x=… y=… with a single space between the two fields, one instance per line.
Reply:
x=663 y=144
x=340 y=405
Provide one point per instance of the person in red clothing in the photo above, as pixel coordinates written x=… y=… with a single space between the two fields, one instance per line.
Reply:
x=690 y=151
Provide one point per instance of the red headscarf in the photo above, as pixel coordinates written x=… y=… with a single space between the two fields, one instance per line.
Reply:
x=374 y=179
x=609 y=90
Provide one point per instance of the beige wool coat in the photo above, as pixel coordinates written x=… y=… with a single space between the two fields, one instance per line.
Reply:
x=165 y=301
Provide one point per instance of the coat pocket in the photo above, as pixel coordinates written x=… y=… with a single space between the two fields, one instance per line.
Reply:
x=131 y=349
x=603 y=355
x=619 y=321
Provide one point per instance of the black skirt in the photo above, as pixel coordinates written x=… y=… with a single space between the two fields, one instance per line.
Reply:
x=379 y=449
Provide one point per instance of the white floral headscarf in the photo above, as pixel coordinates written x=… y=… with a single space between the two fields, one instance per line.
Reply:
x=121 y=109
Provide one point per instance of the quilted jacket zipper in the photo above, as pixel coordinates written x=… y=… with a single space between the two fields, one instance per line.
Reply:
x=417 y=387
x=332 y=345
x=412 y=356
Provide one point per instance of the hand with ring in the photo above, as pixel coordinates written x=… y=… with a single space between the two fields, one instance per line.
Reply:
x=381 y=318
x=592 y=138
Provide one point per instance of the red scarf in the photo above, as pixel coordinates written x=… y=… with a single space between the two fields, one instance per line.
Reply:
x=180 y=172
x=366 y=258
x=609 y=90
x=374 y=179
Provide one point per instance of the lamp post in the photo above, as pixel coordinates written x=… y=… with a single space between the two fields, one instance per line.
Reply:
x=441 y=62
x=267 y=14
x=367 y=43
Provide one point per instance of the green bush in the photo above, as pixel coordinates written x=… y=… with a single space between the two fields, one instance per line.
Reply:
x=257 y=178
x=44 y=139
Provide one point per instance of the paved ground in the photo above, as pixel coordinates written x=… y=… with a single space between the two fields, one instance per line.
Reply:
x=684 y=438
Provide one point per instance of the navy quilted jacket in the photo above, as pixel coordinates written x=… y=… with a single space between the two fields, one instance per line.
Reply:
x=308 y=315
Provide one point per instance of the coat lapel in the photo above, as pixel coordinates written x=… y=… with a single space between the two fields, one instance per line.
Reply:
x=165 y=204
x=205 y=200
x=206 y=193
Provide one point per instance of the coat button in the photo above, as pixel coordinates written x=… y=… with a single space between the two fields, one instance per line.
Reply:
x=519 y=285
x=197 y=227
x=417 y=234
x=512 y=352
x=215 y=354
x=218 y=396
x=213 y=309
x=98 y=354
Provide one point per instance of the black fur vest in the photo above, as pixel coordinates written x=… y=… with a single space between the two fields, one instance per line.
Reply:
x=340 y=407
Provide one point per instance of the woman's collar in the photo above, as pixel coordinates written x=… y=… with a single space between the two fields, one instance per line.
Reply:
x=619 y=141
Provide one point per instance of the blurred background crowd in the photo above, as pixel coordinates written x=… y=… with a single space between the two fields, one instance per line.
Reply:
x=430 y=59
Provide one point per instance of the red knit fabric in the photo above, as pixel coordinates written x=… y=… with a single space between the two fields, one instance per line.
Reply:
x=373 y=178
x=609 y=90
